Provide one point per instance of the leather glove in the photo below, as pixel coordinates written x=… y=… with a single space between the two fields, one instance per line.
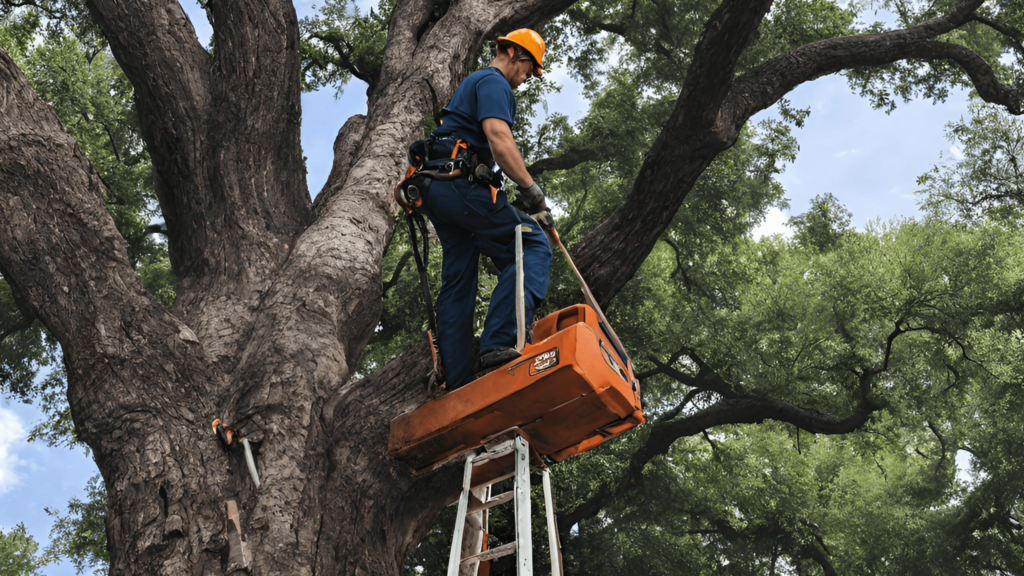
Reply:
x=545 y=219
x=530 y=199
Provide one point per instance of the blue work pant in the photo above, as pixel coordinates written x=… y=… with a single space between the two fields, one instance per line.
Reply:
x=469 y=223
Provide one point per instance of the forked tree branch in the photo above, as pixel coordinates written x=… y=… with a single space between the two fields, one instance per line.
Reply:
x=713 y=107
x=344 y=51
x=223 y=132
x=766 y=84
x=727 y=33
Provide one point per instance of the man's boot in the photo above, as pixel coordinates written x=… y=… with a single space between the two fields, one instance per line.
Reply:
x=491 y=361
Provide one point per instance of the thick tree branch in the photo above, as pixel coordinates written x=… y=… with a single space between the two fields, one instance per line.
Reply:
x=223 y=132
x=980 y=72
x=136 y=374
x=346 y=147
x=1012 y=34
x=565 y=161
x=748 y=409
x=257 y=89
x=767 y=83
x=611 y=27
x=942 y=444
x=713 y=107
x=690 y=139
x=819 y=555
x=156 y=46
x=734 y=408
x=727 y=34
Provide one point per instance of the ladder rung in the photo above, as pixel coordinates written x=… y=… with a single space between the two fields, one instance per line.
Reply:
x=491 y=554
x=494 y=480
x=499 y=499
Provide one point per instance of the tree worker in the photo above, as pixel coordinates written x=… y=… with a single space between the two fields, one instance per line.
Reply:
x=473 y=216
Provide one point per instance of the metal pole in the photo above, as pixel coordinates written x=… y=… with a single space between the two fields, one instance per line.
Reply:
x=520 y=294
x=524 y=543
x=455 y=558
x=587 y=294
x=549 y=509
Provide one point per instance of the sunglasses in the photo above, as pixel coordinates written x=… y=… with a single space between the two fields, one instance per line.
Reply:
x=533 y=67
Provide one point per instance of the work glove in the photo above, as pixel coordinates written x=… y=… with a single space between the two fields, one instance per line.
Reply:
x=545 y=219
x=531 y=200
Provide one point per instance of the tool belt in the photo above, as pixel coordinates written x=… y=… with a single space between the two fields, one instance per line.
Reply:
x=442 y=159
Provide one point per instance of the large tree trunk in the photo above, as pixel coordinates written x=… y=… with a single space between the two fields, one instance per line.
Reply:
x=277 y=296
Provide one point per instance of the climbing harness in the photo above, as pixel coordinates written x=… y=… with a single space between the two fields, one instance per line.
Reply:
x=463 y=161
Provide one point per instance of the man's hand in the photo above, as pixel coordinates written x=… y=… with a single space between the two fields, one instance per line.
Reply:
x=545 y=220
x=531 y=200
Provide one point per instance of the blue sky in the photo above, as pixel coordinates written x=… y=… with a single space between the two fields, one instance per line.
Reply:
x=867 y=159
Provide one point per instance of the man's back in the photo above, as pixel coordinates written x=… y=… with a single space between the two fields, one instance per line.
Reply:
x=483 y=94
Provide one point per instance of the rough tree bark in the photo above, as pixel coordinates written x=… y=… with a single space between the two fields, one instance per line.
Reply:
x=277 y=296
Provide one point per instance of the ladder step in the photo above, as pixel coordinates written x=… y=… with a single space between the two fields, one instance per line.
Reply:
x=494 y=480
x=499 y=499
x=503 y=550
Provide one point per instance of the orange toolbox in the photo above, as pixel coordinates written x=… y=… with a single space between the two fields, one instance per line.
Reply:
x=571 y=390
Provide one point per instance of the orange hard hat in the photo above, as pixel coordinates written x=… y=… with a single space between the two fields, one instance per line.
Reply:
x=530 y=41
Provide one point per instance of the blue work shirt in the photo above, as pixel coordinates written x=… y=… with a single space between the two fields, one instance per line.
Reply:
x=483 y=94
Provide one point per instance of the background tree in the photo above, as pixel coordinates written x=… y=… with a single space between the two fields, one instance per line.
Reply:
x=18 y=553
x=278 y=298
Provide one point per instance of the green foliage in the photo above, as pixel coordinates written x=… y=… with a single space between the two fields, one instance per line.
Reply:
x=18 y=553
x=340 y=43
x=823 y=226
x=16 y=30
x=24 y=350
x=931 y=79
x=81 y=534
x=987 y=181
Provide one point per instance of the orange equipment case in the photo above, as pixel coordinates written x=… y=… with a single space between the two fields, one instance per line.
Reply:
x=570 y=391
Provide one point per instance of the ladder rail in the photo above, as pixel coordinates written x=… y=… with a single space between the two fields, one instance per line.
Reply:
x=455 y=557
x=524 y=540
x=549 y=509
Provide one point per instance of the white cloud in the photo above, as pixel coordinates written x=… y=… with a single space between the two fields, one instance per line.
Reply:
x=845 y=152
x=774 y=223
x=12 y=434
x=956 y=152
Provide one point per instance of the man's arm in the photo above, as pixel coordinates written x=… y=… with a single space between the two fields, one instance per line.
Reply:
x=505 y=151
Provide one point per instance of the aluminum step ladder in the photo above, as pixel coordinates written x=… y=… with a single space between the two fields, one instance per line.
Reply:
x=517 y=449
